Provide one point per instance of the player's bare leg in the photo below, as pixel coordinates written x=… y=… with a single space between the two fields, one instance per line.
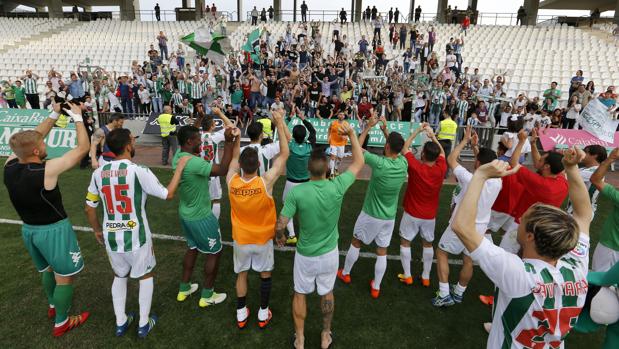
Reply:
x=443 y=297
x=186 y=288
x=299 y=312
x=466 y=273
x=327 y=305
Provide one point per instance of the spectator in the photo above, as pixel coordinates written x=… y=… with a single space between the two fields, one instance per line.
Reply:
x=254 y=16
x=263 y=15
x=576 y=81
x=466 y=23
x=520 y=16
x=162 y=40
x=271 y=13
x=396 y=16
x=403 y=32
x=595 y=15
x=553 y=93
x=157 y=12
x=145 y=100
x=367 y=14
x=432 y=38
x=32 y=95
x=417 y=13
x=390 y=14
x=20 y=94
x=304 y=12
x=214 y=11
x=342 y=16
x=374 y=13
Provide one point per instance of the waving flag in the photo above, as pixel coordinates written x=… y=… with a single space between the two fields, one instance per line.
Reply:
x=214 y=46
x=253 y=45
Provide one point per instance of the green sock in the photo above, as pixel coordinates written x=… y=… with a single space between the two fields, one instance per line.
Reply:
x=49 y=284
x=185 y=287
x=63 y=295
x=207 y=292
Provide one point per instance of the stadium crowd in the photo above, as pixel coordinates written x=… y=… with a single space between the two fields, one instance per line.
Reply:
x=293 y=77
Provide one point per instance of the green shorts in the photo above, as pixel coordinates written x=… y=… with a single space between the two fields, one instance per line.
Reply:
x=54 y=245
x=203 y=234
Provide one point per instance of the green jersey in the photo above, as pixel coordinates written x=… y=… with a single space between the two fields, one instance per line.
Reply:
x=319 y=204
x=195 y=200
x=610 y=230
x=9 y=93
x=388 y=175
x=236 y=97
x=296 y=165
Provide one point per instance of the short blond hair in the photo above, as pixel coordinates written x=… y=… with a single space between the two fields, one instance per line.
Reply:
x=23 y=143
x=555 y=232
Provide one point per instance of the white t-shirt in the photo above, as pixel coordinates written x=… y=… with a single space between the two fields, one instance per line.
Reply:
x=450 y=60
x=529 y=121
x=526 y=148
x=123 y=186
x=489 y=193
x=586 y=173
x=534 y=300
x=265 y=154
x=504 y=118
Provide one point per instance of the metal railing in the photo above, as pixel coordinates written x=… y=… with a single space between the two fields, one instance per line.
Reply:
x=140 y=15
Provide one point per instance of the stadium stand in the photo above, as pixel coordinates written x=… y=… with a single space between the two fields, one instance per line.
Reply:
x=14 y=30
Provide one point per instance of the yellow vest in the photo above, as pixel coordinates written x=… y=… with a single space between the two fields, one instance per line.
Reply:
x=448 y=130
x=165 y=123
x=267 y=129
x=62 y=121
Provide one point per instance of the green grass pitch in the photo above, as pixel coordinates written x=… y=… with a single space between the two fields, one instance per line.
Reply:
x=401 y=318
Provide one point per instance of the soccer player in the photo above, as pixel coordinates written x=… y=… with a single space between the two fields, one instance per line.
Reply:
x=98 y=145
x=198 y=222
x=318 y=204
x=296 y=166
x=123 y=187
x=265 y=152
x=253 y=219
x=606 y=253
x=337 y=143
x=209 y=150
x=539 y=295
x=594 y=155
x=32 y=183
x=425 y=179
x=377 y=218
x=547 y=186
x=449 y=243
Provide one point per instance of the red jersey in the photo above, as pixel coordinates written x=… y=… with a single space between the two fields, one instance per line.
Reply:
x=246 y=90
x=509 y=195
x=424 y=187
x=364 y=110
x=536 y=188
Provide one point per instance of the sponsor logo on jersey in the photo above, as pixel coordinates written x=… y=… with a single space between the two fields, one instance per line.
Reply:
x=120 y=226
x=581 y=249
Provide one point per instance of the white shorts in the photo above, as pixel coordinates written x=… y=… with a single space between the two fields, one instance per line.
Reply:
x=134 y=264
x=500 y=220
x=337 y=150
x=257 y=257
x=368 y=229
x=318 y=271
x=451 y=243
x=214 y=188
x=604 y=258
x=288 y=187
x=411 y=226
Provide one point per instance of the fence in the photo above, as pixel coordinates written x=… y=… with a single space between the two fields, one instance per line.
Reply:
x=104 y=117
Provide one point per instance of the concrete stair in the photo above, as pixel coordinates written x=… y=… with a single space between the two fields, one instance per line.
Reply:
x=39 y=36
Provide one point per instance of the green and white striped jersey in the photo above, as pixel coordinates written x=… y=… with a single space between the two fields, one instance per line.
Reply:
x=195 y=89
x=586 y=173
x=463 y=108
x=30 y=84
x=123 y=187
x=210 y=145
x=536 y=304
x=266 y=153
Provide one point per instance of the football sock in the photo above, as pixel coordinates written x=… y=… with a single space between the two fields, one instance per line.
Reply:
x=290 y=227
x=145 y=299
x=428 y=255
x=184 y=287
x=332 y=166
x=443 y=289
x=265 y=292
x=459 y=289
x=351 y=257
x=216 y=209
x=379 y=270
x=489 y=237
x=405 y=258
x=63 y=296
x=240 y=302
x=119 y=298
x=207 y=293
x=49 y=284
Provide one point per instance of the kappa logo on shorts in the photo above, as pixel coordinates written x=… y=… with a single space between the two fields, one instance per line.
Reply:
x=76 y=257
x=211 y=242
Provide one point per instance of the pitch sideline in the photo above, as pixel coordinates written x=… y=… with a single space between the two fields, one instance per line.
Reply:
x=228 y=243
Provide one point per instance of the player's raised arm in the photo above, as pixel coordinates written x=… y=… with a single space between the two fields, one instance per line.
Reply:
x=357 y=151
x=452 y=159
x=430 y=134
x=279 y=164
x=522 y=137
x=54 y=167
x=372 y=121
x=218 y=112
x=223 y=167
x=234 y=166
x=578 y=193
x=411 y=138
x=597 y=178
x=462 y=224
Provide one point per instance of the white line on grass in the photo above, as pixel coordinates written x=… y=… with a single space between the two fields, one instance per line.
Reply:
x=227 y=243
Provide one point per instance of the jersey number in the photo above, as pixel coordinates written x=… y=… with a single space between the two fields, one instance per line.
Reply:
x=124 y=202
x=208 y=152
x=547 y=323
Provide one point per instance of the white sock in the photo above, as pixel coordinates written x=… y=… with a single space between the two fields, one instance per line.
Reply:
x=428 y=256
x=216 y=209
x=145 y=298
x=332 y=166
x=379 y=270
x=459 y=289
x=351 y=257
x=119 y=298
x=405 y=258
x=290 y=227
x=443 y=289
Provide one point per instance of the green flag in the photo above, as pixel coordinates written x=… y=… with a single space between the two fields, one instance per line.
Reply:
x=214 y=46
x=253 y=45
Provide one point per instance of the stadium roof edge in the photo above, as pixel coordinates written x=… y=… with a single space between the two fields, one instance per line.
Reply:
x=603 y=5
